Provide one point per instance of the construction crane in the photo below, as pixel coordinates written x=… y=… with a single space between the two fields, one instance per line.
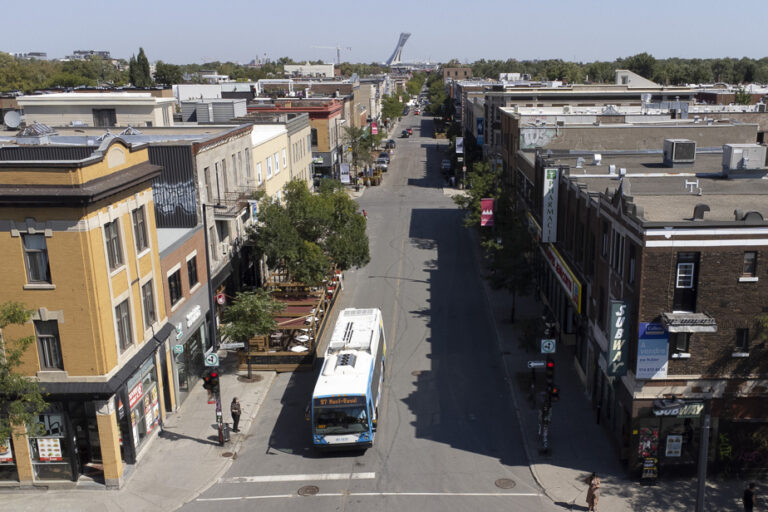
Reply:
x=338 y=51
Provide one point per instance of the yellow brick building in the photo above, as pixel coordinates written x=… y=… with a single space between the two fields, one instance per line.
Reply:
x=79 y=247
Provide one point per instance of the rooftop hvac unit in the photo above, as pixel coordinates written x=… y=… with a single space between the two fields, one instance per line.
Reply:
x=679 y=152
x=761 y=107
x=743 y=157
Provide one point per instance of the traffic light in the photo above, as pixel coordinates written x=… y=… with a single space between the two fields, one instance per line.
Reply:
x=207 y=384
x=549 y=373
x=214 y=378
x=554 y=393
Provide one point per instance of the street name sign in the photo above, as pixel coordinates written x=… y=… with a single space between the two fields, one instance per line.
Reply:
x=232 y=346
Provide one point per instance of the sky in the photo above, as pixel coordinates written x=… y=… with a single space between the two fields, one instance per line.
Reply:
x=197 y=31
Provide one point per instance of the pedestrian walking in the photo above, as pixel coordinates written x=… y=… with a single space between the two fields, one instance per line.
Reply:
x=593 y=493
x=235 y=411
x=365 y=214
x=749 y=499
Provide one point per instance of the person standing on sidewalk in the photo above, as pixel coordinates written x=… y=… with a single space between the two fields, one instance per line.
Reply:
x=749 y=498
x=593 y=493
x=235 y=410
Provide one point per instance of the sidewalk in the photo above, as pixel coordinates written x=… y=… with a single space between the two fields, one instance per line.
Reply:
x=579 y=445
x=181 y=461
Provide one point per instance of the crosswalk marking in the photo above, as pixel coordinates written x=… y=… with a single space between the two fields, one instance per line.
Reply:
x=297 y=478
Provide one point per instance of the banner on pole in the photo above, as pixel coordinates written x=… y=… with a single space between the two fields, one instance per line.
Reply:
x=486 y=212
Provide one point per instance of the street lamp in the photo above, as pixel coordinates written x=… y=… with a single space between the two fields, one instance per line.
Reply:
x=212 y=331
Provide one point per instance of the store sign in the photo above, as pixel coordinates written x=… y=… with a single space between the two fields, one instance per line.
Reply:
x=570 y=284
x=689 y=410
x=617 y=353
x=652 y=351
x=49 y=449
x=549 y=206
x=486 y=212
x=479 y=131
x=193 y=315
x=135 y=395
x=344 y=176
x=459 y=145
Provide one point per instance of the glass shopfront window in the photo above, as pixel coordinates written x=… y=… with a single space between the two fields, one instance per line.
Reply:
x=143 y=403
x=51 y=452
x=7 y=461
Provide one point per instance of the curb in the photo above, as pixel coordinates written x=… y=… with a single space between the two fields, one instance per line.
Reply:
x=235 y=447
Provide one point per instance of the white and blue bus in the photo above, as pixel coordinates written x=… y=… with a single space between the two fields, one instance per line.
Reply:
x=345 y=403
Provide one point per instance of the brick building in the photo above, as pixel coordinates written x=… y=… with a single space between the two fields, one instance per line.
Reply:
x=651 y=265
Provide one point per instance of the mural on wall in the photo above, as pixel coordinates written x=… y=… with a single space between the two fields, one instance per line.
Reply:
x=533 y=137
x=175 y=200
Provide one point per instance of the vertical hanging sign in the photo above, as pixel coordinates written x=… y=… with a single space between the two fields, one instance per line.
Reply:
x=549 y=206
x=459 y=145
x=617 y=352
x=486 y=212
x=374 y=128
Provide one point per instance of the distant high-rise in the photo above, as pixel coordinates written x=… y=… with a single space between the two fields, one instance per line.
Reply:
x=397 y=54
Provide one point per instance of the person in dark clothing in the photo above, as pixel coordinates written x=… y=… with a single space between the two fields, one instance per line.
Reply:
x=749 y=498
x=235 y=410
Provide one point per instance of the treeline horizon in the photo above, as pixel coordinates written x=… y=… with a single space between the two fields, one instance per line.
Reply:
x=29 y=75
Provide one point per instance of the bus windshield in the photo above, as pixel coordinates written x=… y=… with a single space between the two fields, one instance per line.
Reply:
x=341 y=420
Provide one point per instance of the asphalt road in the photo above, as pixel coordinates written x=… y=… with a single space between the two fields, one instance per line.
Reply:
x=448 y=438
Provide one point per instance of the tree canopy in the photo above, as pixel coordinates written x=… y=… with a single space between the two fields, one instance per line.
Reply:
x=304 y=233
x=250 y=314
x=20 y=397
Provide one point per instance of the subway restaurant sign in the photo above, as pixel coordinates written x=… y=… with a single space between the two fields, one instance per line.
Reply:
x=617 y=351
x=570 y=284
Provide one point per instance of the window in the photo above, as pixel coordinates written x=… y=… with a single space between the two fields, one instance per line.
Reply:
x=285 y=160
x=174 y=287
x=749 y=267
x=617 y=260
x=192 y=271
x=207 y=178
x=148 y=300
x=240 y=165
x=684 y=275
x=48 y=345
x=601 y=309
x=248 y=162
x=313 y=137
x=235 y=170
x=604 y=249
x=123 y=319
x=36 y=258
x=277 y=163
x=742 y=340
x=140 y=229
x=258 y=173
x=269 y=168
x=112 y=237
x=104 y=117
x=680 y=342
x=632 y=263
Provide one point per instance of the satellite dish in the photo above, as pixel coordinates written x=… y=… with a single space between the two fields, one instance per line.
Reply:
x=12 y=119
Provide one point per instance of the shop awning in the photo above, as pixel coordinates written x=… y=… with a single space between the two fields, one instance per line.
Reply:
x=688 y=322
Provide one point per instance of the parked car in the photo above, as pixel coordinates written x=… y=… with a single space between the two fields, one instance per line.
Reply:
x=445 y=165
x=404 y=134
x=410 y=131
x=390 y=144
x=382 y=164
x=416 y=112
x=384 y=155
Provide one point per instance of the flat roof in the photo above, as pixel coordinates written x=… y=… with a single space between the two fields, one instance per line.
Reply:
x=112 y=98
x=669 y=194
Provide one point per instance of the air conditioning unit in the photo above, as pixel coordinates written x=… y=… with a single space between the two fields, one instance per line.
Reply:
x=743 y=157
x=679 y=152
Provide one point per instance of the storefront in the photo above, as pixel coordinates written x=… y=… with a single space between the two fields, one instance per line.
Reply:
x=142 y=415
x=8 y=470
x=190 y=343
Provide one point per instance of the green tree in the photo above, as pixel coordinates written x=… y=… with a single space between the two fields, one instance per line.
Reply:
x=391 y=107
x=307 y=233
x=167 y=74
x=132 y=71
x=139 y=70
x=21 y=400
x=742 y=97
x=250 y=314
x=359 y=143
x=643 y=64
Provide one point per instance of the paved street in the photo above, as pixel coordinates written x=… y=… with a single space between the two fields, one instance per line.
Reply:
x=448 y=438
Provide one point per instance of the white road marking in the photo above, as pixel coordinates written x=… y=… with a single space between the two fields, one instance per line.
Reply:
x=381 y=494
x=296 y=478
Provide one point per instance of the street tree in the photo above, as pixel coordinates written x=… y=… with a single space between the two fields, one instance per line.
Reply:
x=305 y=234
x=250 y=314
x=391 y=107
x=742 y=97
x=21 y=400
x=359 y=142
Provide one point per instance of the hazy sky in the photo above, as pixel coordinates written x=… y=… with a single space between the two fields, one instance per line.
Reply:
x=195 y=31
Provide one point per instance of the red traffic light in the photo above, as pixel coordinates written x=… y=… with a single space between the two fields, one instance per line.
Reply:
x=213 y=375
x=550 y=364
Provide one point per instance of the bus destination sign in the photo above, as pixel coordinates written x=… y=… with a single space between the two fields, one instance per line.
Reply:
x=339 y=401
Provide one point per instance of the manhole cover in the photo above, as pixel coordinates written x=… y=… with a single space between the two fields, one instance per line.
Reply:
x=416 y=373
x=309 y=490
x=255 y=378
x=227 y=455
x=505 y=483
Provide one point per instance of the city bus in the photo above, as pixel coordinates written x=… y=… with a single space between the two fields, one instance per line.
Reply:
x=345 y=403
